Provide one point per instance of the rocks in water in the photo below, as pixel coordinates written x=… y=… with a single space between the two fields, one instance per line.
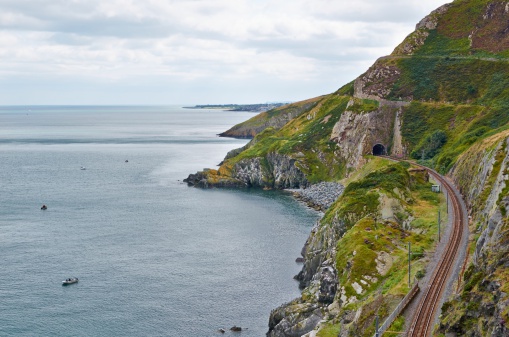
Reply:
x=236 y=328
x=320 y=196
x=299 y=260
x=221 y=330
x=211 y=178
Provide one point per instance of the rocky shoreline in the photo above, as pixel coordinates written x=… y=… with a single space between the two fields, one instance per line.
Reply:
x=318 y=277
x=319 y=196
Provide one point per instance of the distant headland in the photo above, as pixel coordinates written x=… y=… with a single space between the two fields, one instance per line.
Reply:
x=240 y=107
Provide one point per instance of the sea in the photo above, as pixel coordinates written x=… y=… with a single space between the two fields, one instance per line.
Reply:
x=154 y=257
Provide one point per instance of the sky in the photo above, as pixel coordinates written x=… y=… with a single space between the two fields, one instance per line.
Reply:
x=163 y=52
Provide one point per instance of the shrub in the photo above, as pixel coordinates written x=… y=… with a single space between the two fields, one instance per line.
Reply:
x=430 y=146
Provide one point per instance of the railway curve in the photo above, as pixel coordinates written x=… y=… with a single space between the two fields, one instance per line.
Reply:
x=427 y=308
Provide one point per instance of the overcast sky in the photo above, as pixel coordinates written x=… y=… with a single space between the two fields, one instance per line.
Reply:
x=193 y=51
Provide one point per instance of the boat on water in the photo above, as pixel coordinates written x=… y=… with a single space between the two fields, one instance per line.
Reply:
x=83 y=168
x=70 y=280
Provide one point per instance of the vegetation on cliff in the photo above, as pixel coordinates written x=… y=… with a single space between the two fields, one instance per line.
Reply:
x=442 y=97
x=275 y=118
x=363 y=237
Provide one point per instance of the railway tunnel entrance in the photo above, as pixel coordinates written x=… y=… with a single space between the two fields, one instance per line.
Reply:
x=379 y=150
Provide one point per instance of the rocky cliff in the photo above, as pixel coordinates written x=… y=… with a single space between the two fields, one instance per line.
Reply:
x=440 y=98
x=481 y=308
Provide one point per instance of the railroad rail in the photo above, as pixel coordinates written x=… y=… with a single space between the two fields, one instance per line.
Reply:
x=422 y=323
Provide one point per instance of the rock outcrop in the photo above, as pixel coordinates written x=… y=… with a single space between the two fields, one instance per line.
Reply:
x=417 y=39
x=319 y=251
x=273 y=171
x=356 y=133
x=483 y=175
x=449 y=77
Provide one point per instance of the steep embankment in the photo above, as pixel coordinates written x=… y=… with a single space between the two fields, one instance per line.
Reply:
x=481 y=308
x=355 y=257
x=440 y=98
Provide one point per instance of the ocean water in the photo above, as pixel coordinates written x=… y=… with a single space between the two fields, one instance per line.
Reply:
x=154 y=256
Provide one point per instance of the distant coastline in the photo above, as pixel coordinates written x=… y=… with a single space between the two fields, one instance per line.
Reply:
x=240 y=107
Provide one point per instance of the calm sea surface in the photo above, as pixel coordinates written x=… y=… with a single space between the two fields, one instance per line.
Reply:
x=154 y=257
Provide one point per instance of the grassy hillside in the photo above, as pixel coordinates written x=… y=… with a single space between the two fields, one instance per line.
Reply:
x=440 y=97
x=275 y=118
x=305 y=138
x=373 y=254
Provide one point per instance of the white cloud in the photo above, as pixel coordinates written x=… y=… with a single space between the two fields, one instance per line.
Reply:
x=278 y=50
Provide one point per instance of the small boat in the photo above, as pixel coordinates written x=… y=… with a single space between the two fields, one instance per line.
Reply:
x=44 y=207
x=83 y=168
x=70 y=280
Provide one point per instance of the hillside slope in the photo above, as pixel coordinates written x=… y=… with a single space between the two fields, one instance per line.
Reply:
x=442 y=98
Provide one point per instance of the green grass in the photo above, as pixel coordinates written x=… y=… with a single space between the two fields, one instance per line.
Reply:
x=397 y=326
x=448 y=79
x=363 y=105
x=358 y=208
x=461 y=18
x=307 y=134
x=346 y=90
x=438 y=44
x=368 y=235
x=329 y=330
x=361 y=197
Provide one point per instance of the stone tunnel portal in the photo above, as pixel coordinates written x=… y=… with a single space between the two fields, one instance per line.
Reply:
x=379 y=150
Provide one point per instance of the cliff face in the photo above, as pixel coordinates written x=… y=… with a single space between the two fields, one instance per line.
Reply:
x=352 y=251
x=273 y=171
x=319 y=282
x=441 y=98
x=357 y=133
x=481 y=309
x=297 y=154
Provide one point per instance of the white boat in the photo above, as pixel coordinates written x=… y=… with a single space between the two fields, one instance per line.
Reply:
x=70 y=280
x=83 y=168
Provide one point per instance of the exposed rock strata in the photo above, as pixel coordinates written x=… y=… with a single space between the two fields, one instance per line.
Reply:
x=273 y=171
x=483 y=178
x=357 y=133
x=318 y=277
x=376 y=83
x=481 y=174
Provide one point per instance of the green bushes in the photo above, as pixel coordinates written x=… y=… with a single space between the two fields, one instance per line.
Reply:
x=363 y=105
x=420 y=273
x=346 y=90
x=474 y=280
x=438 y=44
x=430 y=146
x=361 y=197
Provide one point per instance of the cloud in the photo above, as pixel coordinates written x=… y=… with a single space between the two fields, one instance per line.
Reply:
x=314 y=45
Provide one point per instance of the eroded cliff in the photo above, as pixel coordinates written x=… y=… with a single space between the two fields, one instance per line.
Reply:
x=440 y=98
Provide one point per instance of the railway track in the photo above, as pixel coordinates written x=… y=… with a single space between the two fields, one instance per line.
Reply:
x=422 y=323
